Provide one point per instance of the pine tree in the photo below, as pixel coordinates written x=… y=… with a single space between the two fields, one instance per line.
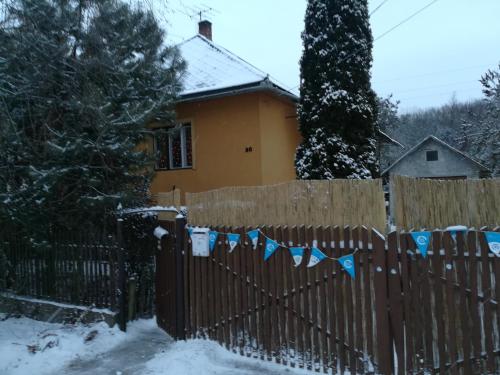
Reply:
x=79 y=80
x=337 y=109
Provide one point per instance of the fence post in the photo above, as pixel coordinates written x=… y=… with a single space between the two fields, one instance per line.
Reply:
x=384 y=345
x=180 y=313
x=122 y=283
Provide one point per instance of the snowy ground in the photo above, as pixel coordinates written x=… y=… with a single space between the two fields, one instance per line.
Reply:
x=31 y=347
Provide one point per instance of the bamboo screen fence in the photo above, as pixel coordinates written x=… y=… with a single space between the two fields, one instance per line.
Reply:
x=423 y=203
x=317 y=203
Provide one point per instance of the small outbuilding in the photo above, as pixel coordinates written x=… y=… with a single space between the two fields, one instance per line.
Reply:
x=434 y=158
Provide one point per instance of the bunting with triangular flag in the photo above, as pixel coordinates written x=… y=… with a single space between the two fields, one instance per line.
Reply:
x=493 y=239
x=271 y=247
x=233 y=239
x=253 y=235
x=422 y=240
x=212 y=239
x=297 y=255
x=316 y=256
x=347 y=263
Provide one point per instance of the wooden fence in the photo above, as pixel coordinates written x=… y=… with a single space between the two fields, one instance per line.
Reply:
x=419 y=203
x=402 y=313
x=343 y=202
x=83 y=269
x=77 y=269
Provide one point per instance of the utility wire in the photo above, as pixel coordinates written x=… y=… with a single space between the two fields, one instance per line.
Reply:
x=377 y=8
x=406 y=20
x=387 y=32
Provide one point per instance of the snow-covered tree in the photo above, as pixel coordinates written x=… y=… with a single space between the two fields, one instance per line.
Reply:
x=79 y=80
x=336 y=94
x=481 y=138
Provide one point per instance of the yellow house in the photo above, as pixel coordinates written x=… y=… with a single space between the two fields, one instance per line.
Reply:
x=238 y=127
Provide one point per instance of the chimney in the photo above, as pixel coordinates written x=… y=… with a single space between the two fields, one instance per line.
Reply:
x=205 y=29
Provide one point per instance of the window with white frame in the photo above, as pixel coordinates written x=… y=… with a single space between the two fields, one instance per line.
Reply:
x=173 y=147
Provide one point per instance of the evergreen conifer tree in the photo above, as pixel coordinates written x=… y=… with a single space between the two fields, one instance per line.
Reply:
x=79 y=80
x=337 y=109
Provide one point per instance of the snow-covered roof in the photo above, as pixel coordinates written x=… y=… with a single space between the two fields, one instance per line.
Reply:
x=213 y=68
x=437 y=140
x=389 y=139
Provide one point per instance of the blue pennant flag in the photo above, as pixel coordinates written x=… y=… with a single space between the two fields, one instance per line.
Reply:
x=422 y=239
x=233 y=239
x=347 y=263
x=254 y=237
x=297 y=254
x=316 y=257
x=212 y=239
x=493 y=239
x=271 y=247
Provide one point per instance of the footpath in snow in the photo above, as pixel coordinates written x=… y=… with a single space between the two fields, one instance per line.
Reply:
x=32 y=347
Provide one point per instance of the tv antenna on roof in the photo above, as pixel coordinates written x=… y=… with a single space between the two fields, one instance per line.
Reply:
x=202 y=12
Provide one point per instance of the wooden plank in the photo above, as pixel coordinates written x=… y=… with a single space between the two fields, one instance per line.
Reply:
x=426 y=303
x=309 y=305
x=219 y=294
x=244 y=288
x=487 y=294
x=340 y=316
x=474 y=303
x=323 y=279
x=192 y=295
x=464 y=319
x=349 y=302
x=395 y=299
x=238 y=318
x=437 y=266
x=331 y=317
x=416 y=306
x=268 y=332
x=261 y=295
x=211 y=297
x=288 y=328
x=367 y=284
x=228 y=288
x=297 y=298
x=304 y=338
x=384 y=345
x=358 y=309
x=279 y=292
x=314 y=301
x=450 y=301
x=253 y=306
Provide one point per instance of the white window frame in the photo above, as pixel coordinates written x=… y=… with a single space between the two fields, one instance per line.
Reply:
x=184 y=164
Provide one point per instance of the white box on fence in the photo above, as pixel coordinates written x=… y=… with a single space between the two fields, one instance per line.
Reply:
x=200 y=241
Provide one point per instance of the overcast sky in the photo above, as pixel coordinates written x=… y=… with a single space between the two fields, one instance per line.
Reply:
x=441 y=52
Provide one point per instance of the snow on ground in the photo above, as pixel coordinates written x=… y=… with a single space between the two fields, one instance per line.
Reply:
x=196 y=357
x=32 y=347
x=29 y=346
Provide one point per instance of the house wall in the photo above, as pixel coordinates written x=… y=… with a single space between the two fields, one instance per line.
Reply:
x=221 y=131
x=280 y=137
x=449 y=163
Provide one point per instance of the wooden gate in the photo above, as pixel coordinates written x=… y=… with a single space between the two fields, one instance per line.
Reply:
x=402 y=313
x=169 y=280
x=317 y=318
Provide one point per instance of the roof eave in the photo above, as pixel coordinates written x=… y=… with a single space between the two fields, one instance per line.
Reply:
x=263 y=85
